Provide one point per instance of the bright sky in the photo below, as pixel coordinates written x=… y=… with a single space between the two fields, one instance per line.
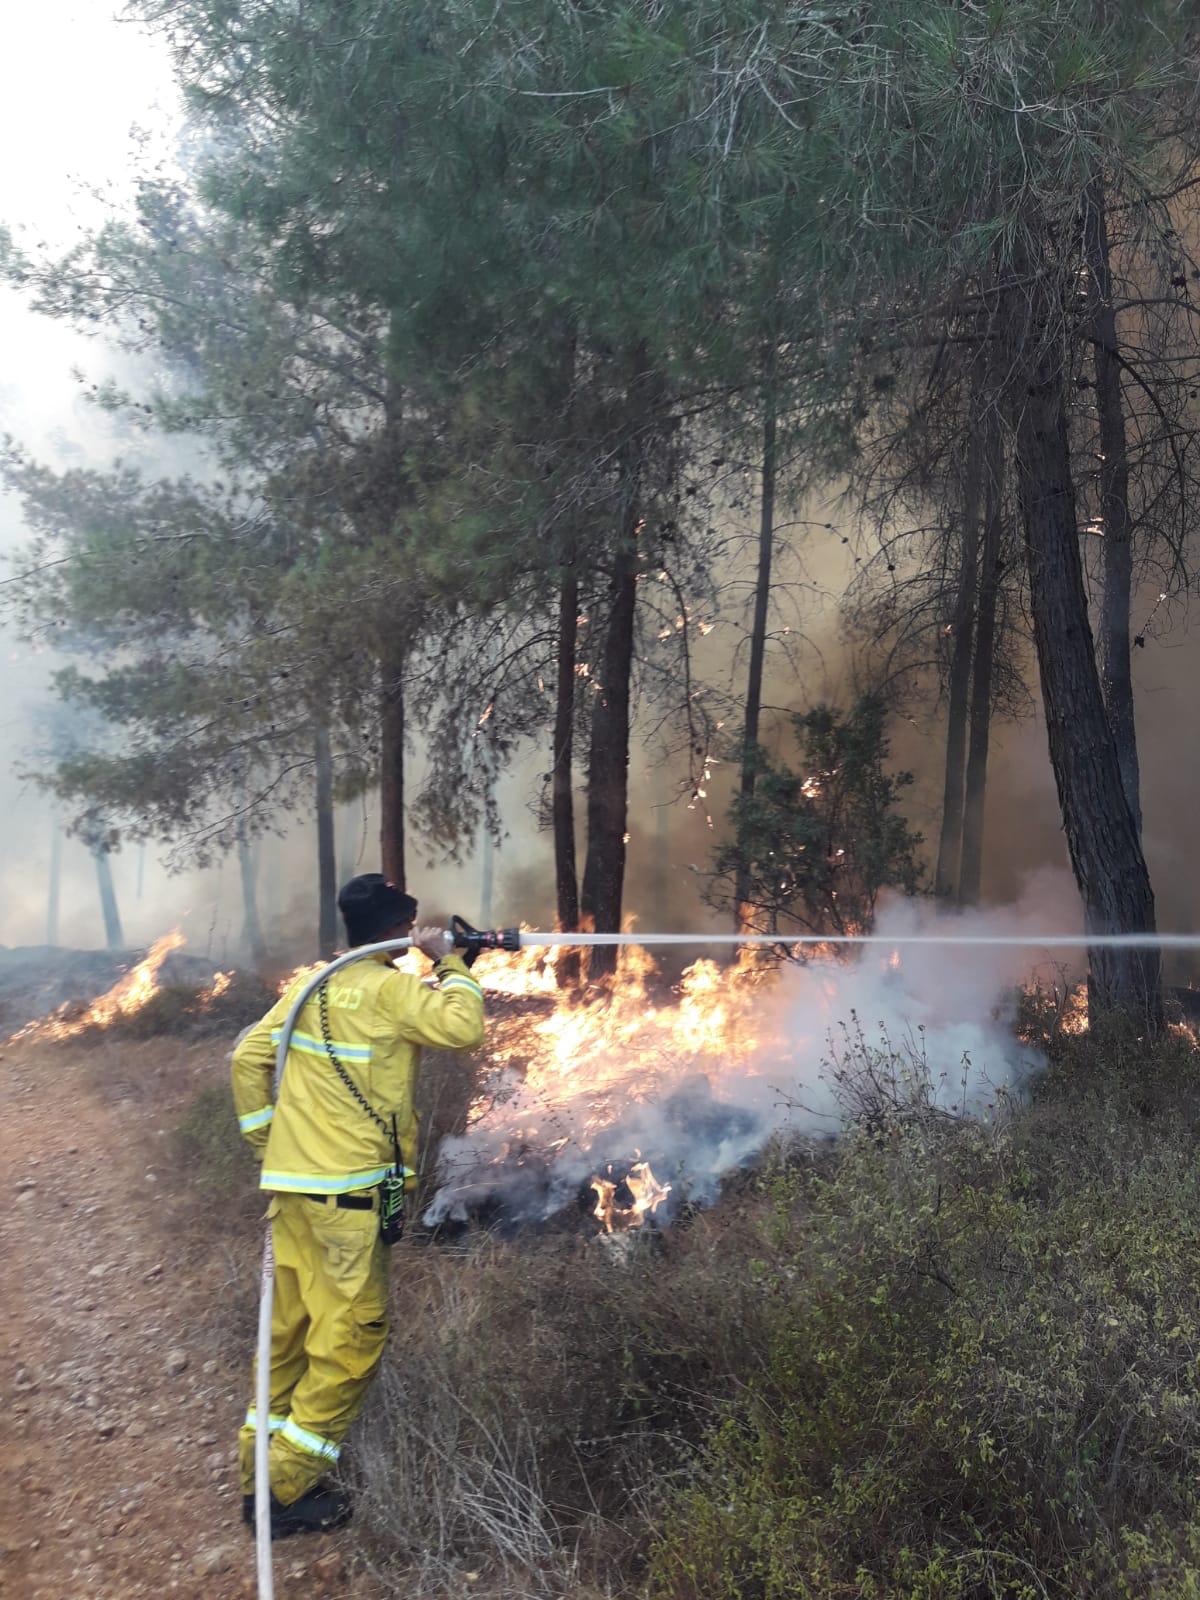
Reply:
x=75 y=83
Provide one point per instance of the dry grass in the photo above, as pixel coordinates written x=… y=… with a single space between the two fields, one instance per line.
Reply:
x=539 y=1394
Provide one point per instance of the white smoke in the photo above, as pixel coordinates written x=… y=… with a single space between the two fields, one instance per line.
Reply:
x=934 y=1020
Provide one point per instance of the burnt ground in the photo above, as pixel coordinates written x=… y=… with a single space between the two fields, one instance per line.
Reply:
x=128 y=1322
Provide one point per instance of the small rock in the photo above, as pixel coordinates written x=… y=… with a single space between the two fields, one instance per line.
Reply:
x=329 y=1566
x=106 y=1427
x=25 y=1184
x=155 y=1272
x=216 y=1461
x=209 y=1368
x=213 y=1558
x=176 y=1362
x=98 y=1271
x=26 y=1194
x=135 y=1430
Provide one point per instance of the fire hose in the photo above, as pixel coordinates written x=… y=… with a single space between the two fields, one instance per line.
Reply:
x=473 y=940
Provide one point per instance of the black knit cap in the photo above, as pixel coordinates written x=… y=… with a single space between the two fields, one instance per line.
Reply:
x=371 y=907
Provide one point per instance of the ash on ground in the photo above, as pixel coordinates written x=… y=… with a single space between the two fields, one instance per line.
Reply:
x=691 y=1140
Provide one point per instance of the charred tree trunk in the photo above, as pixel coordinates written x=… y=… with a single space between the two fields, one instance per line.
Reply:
x=394 y=494
x=562 y=795
x=487 y=882
x=963 y=623
x=391 y=769
x=566 y=878
x=114 y=938
x=53 y=889
x=1106 y=853
x=758 y=643
x=608 y=757
x=971 y=871
x=252 y=937
x=326 y=858
x=1115 y=667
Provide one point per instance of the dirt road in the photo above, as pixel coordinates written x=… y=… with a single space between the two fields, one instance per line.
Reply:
x=127 y=1321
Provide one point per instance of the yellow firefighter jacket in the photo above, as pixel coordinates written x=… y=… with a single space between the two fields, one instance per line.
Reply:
x=318 y=1139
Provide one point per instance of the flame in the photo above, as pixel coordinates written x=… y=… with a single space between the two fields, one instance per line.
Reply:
x=129 y=994
x=1073 y=1018
x=600 y=1040
x=304 y=970
x=530 y=971
x=565 y=1066
x=648 y=1194
x=217 y=988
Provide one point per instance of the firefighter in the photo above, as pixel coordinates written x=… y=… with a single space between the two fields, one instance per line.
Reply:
x=345 y=1109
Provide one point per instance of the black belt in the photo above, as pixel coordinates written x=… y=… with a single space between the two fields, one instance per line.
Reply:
x=346 y=1202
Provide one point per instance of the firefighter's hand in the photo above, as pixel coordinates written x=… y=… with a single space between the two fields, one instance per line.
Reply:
x=432 y=942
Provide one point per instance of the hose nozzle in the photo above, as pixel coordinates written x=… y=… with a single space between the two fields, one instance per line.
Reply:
x=473 y=940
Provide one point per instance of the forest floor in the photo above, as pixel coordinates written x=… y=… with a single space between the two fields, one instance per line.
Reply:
x=127 y=1329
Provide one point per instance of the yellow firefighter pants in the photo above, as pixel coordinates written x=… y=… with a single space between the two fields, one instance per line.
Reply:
x=327 y=1335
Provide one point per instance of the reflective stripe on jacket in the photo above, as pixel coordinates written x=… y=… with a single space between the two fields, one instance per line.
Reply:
x=318 y=1138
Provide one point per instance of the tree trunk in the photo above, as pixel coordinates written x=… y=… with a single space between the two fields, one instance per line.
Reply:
x=971 y=871
x=252 y=937
x=608 y=755
x=1116 y=674
x=566 y=879
x=963 y=623
x=327 y=926
x=1106 y=853
x=351 y=845
x=608 y=758
x=114 y=938
x=758 y=643
x=487 y=876
x=391 y=769
x=52 y=895
x=395 y=493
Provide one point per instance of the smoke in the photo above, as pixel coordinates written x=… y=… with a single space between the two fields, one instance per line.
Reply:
x=699 y=1087
x=104 y=74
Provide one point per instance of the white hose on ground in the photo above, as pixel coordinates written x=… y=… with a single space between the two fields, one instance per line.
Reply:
x=262 y=1392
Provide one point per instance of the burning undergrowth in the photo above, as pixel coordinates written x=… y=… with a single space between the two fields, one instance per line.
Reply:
x=636 y=1099
x=165 y=992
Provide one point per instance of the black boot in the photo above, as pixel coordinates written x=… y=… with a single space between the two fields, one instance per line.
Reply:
x=320 y=1510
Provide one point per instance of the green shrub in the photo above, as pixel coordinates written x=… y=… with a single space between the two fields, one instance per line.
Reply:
x=538 y=1393
x=982 y=1375
x=212 y=1156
